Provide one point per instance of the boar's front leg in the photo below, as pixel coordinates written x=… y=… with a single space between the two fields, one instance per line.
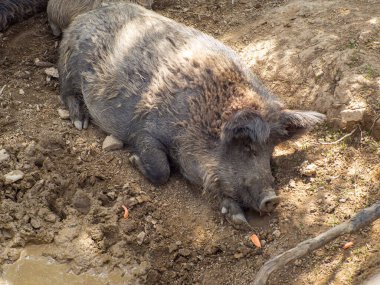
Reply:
x=73 y=99
x=234 y=213
x=151 y=159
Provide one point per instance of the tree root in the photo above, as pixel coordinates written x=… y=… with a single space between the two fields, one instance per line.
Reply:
x=360 y=220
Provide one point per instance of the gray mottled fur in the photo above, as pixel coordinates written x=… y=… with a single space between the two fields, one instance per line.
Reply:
x=12 y=11
x=62 y=12
x=176 y=96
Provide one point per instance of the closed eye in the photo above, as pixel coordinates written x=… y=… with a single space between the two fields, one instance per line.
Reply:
x=249 y=149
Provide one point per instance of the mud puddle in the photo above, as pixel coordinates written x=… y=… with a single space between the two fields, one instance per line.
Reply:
x=33 y=268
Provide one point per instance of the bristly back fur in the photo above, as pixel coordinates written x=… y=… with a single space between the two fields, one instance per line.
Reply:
x=62 y=12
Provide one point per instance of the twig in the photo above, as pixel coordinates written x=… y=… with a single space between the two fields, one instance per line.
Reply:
x=360 y=220
x=342 y=138
x=2 y=89
x=373 y=124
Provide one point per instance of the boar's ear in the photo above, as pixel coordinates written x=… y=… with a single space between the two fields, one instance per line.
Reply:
x=292 y=123
x=245 y=124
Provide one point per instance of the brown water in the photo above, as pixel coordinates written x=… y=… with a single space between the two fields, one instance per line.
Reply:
x=34 y=269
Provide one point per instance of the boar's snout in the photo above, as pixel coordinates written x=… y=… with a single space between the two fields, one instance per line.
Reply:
x=269 y=202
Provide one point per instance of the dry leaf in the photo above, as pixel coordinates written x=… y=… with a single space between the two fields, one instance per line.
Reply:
x=255 y=240
x=348 y=245
x=125 y=212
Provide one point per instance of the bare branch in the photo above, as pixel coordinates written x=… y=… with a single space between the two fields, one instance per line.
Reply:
x=373 y=124
x=342 y=138
x=362 y=219
x=2 y=89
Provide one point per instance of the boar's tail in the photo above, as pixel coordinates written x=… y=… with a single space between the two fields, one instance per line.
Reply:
x=12 y=11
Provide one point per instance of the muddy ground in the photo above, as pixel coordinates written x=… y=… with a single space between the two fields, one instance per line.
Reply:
x=321 y=55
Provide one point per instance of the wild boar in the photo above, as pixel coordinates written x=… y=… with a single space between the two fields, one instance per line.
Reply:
x=177 y=97
x=62 y=12
x=12 y=11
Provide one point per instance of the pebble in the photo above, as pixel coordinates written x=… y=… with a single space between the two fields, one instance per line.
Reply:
x=21 y=92
x=342 y=200
x=184 y=252
x=3 y=155
x=309 y=170
x=140 y=238
x=239 y=255
x=143 y=198
x=353 y=115
x=292 y=183
x=173 y=247
x=30 y=150
x=298 y=262
x=36 y=224
x=263 y=242
x=50 y=218
x=64 y=114
x=52 y=72
x=13 y=176
x=277 y=233
x=112 y=143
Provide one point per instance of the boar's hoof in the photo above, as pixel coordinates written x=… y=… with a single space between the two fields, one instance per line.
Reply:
x=80 y=125
x=152 y=167
x=234 y=213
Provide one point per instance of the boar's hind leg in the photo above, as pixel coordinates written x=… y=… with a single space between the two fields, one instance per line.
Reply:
x=74 y=102
x=152 y=161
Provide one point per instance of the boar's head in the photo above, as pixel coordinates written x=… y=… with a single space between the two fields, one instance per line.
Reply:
x=247 y=142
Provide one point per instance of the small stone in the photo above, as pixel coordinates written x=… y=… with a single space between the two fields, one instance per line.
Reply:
x=239 y=255
x=13 y=176
x=292 y=183
x=36 y=224
x=277 y=233
x=51 y=218
x=148 y=218
x=143 y=198
x=132 y=201
x=112 y=195
x=312 y=210
x=263 y=242
x=140 y=238
x=52 y=72
x=64 y=114
x=173 y=247
x=21 y=92
x=309 y=170
x=3 y=155
x=112 y=143
x=355 y=115
x=31 y=149
x=184 y=252
x=298 y=262
x=342 y=200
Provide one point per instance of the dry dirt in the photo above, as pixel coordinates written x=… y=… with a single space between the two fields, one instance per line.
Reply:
x=321 y=55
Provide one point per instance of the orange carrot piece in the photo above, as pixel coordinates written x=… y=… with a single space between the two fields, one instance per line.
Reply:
x=125 y=212
x=255 y=240
x=348 y=245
